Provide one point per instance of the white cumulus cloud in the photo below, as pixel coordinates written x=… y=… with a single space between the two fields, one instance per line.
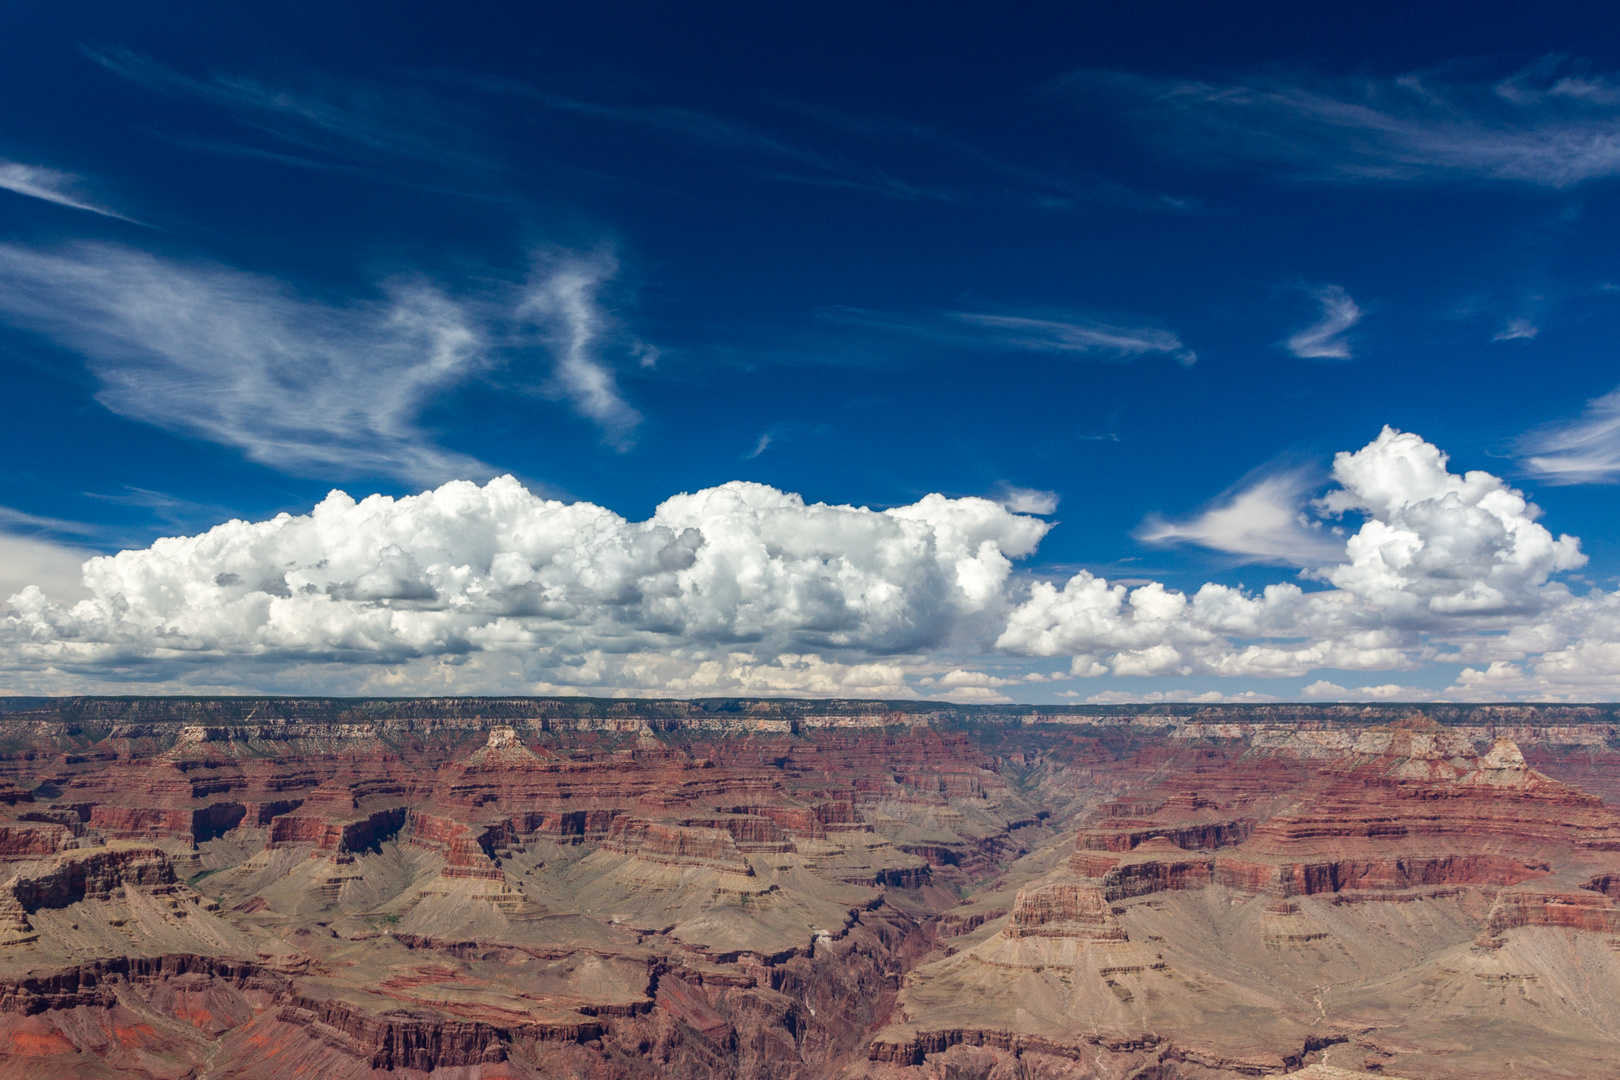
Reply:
x=745 y=589
x=1155 y=697
x=1439 y=558
x=574 y=588
x=1323 y=690
x=1029 y=500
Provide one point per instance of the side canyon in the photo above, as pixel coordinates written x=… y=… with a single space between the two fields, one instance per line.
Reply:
x=476 y=889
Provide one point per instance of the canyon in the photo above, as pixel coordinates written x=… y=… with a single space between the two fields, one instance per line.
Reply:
x=476 y=889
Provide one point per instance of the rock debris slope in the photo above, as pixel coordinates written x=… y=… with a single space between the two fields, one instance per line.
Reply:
x=482 y=889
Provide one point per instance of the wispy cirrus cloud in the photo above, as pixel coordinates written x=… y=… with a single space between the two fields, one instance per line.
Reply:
x=1020 y=182
x=1325 y=339
x=1022 y=333
x=1550 y=125
x=1585 y=450
x=766 y=152
x=54 y=186
x=1519 y=328
x=342 y=122
x=1057 y=333
x=302 y=385
x=564 y=300
x=1262 y=520
x=171 y=511
x=242 y=360
x=339 y=122
x=19 y=521
x=843 y=150
x=770 y=437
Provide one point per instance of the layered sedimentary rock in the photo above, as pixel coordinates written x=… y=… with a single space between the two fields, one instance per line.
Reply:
x=1063 y=909
x=1399 y=848
x=517 y=888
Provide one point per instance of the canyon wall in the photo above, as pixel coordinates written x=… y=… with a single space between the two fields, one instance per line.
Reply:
x=516 y=887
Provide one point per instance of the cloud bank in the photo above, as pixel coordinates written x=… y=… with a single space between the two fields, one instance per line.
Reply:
x=31 y=561
x=746 y=589
x=1442 y=567
x=585 y=596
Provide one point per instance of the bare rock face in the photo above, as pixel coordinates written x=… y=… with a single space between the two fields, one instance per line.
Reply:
x=486 y=889
x=1308 y=886
x=1153 y=866
x=1063 y=909
x=1533 y=907
x=93 y=874
x=679 y=845
x=1409 y=809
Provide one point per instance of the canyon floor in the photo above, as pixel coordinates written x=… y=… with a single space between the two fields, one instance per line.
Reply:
x=473 y=889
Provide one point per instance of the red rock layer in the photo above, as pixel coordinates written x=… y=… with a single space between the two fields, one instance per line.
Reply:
x=1418 y=807
x=1578 y=911
x=677 y=845
x=1152 y=808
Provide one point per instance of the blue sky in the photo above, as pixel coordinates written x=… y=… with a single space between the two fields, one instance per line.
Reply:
x=1133 y=276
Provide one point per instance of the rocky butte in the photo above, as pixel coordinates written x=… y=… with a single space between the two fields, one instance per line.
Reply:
x=473 y=889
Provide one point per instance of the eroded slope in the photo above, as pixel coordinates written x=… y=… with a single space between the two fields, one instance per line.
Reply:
x=798 y=892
